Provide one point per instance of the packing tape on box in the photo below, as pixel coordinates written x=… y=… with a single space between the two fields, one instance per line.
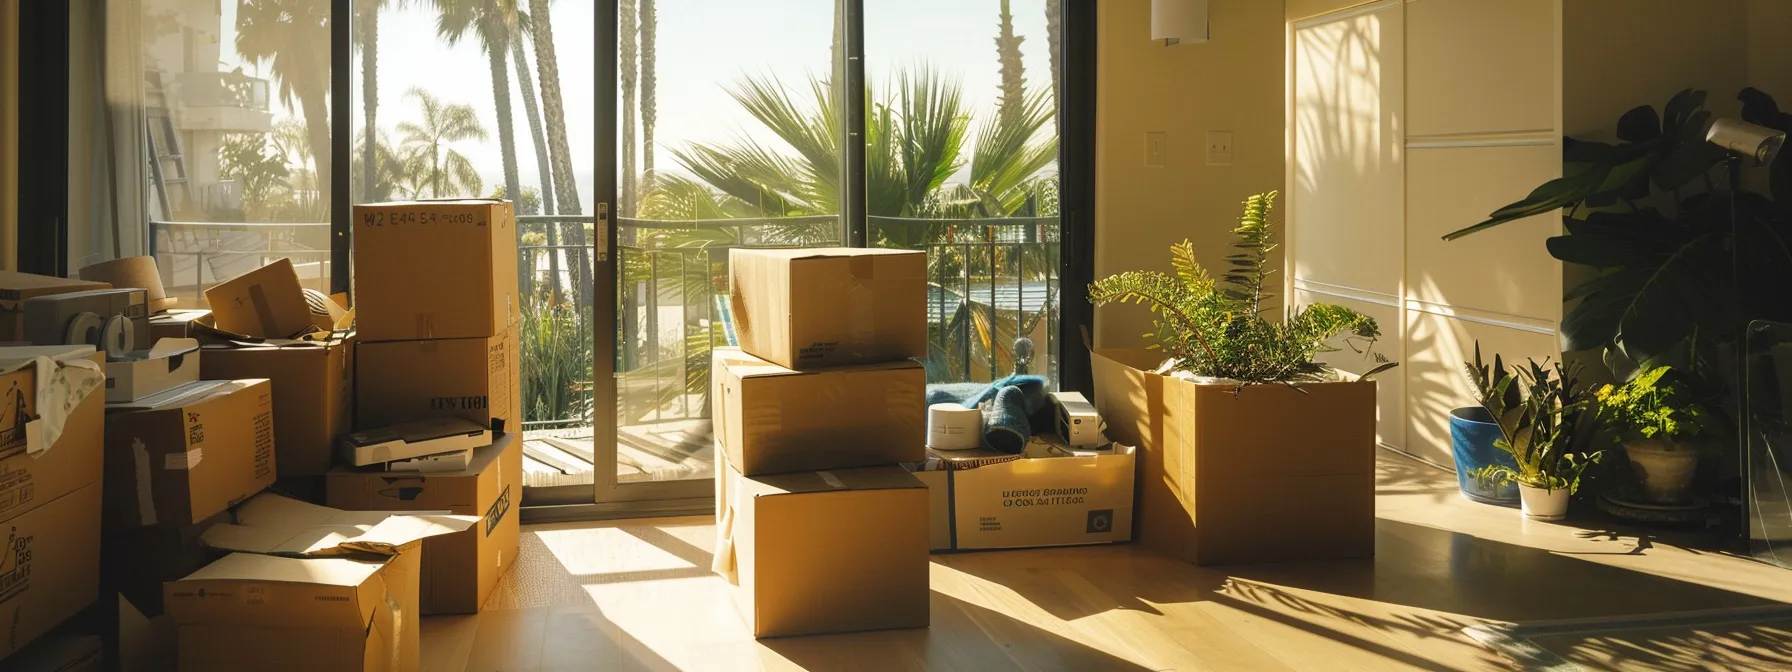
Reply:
x=182 y=461
x=833 y=481
x=954 y=427
x=146 y=499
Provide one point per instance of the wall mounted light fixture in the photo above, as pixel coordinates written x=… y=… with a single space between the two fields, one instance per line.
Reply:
x=1179 y=21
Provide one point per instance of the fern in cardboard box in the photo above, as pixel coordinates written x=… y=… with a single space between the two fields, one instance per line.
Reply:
x=1217 y=329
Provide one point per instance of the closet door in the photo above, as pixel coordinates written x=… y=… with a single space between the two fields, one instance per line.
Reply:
x=1346 y=230
x=1483 y=113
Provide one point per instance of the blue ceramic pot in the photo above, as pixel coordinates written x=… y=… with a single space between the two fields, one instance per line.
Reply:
x=1472 y=434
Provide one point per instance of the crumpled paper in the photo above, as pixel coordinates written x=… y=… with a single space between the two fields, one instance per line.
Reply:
x=61 y=386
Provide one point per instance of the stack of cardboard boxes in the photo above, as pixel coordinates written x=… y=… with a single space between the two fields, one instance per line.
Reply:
x=437 y=311
x=819 y=528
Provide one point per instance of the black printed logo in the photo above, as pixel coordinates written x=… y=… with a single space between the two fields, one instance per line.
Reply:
x=496 y=513
x=1101 y=521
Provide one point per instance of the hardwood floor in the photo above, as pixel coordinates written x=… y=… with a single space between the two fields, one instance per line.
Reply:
x=637 y=595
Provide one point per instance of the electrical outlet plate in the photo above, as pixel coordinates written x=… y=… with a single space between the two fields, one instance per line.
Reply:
x=1219 y=148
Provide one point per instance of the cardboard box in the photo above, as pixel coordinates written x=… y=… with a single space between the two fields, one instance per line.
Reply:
x=309 y=588
x=168 y=364
x=1260 y=474
x=435 y=269
x=62 y=652
x=145 y=643
x=267 y=302
x=1035 y=502
x=459 y=570
x=50 y=318
x=811 y=308
x=420 y=438
x=472 y=378
x=822 y=552
x=16 y=287
x=186 y=454
x=771 y=419
x=31 y=476
x=136 y=561
x=50 y=567
x=175 y=323
x=313 y=386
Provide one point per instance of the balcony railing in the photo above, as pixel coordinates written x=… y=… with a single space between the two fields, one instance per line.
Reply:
x=991 y=283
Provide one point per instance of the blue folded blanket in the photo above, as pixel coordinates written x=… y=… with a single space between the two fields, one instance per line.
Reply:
x=1013 y=408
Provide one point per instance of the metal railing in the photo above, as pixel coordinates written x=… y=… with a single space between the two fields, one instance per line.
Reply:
x=991 y=282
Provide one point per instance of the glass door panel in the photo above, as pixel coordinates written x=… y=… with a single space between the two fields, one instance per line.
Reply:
x=727 y=135
x=962 y=162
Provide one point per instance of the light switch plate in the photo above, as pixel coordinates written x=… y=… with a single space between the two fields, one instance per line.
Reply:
x=1157 y=148
x=1219 y=148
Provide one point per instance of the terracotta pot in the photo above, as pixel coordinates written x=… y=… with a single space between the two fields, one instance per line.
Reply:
x=1541 y=504
x=1663 y=471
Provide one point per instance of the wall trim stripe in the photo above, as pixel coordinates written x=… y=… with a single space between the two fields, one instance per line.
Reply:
x=1353 y=293
x=1524 y=138
x=1520 y=323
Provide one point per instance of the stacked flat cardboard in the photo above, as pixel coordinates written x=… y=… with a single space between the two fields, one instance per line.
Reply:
x=49 y=492
x=818 y=528
x=459 y=570
x=306 y=588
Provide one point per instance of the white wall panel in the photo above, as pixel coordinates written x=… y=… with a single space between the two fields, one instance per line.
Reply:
x=1481 y=66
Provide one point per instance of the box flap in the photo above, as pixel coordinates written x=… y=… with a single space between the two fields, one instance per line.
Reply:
x=14 y=285
x=433 y=201
x=245 y=589
x=181 y=395
x=267 y=302
x=276 y=525
x=863 y=478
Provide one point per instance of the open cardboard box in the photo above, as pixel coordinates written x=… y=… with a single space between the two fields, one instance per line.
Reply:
x=169 y=363
x=51 y=442
x=183 y=455
x=1229 y=475
x=307 y=588
x=313 y=387
x=1023 y=501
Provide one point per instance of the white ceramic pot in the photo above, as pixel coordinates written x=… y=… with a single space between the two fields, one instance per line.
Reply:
x=1543 y=504
x=1663 y=471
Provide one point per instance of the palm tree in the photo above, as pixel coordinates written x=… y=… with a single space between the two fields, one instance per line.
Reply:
x=526 y=83
x=293 y=38
x=367 y=36
x=447 y=171
x=1014 y=79
x=396 y=173
x=649 y=83
x=492 y=22
x=566 y=191
x=631 y=76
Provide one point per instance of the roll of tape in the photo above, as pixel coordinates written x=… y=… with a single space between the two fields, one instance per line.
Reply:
x=954 y=427
x=84 y=329
x=118 y=337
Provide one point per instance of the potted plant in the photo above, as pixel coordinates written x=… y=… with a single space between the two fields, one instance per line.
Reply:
x=1473 y=434
x=1654 y=417
x=1250 y=450
x=1545 y=427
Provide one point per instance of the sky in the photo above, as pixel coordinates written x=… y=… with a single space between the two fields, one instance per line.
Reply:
x=704 y=46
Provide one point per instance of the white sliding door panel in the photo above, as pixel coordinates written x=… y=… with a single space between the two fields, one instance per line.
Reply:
x=1506 y=271
x=1481 y=67
x=1390 y=393
x=1344 y=210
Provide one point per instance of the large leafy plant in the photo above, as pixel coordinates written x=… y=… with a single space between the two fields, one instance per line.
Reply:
x=1653 y=216
x=1547 y=420
x=1217 y=328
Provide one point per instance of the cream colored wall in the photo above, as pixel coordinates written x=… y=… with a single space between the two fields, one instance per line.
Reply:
x=1770 y=48
x=1234 y=82
x=1699 y=45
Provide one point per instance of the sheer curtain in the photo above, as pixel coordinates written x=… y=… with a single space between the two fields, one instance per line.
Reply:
x=107 y=214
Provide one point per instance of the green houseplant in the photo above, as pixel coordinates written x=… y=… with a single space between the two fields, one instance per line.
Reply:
x=1217 y=329
x=1657 y=421
x=1547 y=421
x=1241 y=413
x=1680 y=260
